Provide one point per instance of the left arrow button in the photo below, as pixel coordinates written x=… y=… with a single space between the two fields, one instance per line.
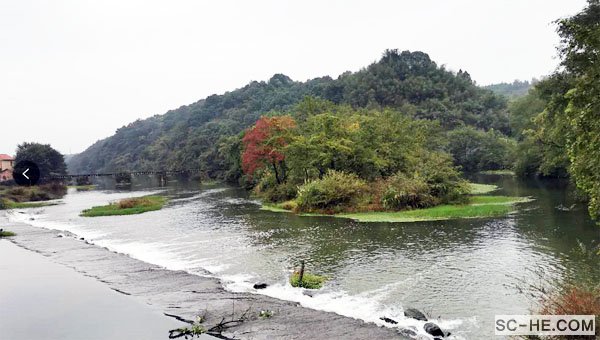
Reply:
x=26 y=173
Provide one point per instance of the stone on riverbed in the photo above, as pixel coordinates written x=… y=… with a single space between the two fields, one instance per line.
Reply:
x=414 y=314
x=434 y=330
x=260 y=285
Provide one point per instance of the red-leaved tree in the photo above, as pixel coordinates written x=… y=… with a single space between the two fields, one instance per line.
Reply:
x=264 y=143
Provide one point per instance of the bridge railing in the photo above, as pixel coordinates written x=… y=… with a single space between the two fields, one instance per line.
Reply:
x=127 y=173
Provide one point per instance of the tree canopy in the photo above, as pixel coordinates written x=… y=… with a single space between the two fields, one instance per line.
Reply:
x=49 y=161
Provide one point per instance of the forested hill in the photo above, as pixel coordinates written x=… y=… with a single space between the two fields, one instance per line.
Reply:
x=199 y=135
x=512 y=90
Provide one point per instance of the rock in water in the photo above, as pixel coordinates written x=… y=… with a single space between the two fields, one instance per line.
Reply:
x=260 y=285
x=433 y=329
x=414 y=314
x=388 y=320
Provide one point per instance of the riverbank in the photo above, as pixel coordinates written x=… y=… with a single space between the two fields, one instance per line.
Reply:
x=31 y=197
x=44 y=300
x=185 y=296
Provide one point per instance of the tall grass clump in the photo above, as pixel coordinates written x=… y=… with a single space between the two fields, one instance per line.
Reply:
x=335 y=192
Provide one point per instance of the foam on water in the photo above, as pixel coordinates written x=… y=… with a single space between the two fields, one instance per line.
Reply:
x=366 y=306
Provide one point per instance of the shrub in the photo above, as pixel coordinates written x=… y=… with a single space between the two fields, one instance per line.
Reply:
x=335 y=192
x=134 y=202
x=270 y=191
x=429 y=180
x=289 y=205
x=403 y=192
x=54 y=189
x=573 y=300
x=36 y=195
x=443 y=179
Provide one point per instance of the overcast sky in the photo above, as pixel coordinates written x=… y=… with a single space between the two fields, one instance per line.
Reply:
x=72 y=72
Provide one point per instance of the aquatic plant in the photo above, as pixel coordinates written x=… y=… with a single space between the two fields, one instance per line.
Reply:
x=265 y=314
x=310 y=281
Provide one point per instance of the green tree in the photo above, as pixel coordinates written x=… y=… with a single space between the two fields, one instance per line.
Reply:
x=476 y=150
x=580 y=52
x=49 y=161
x=522 y=112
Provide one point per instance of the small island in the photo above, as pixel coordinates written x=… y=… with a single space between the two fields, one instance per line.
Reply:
x=476 y=206
x=127 y=206
x=370 y=166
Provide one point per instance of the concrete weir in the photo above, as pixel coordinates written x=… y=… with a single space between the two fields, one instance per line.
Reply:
x=185 y=296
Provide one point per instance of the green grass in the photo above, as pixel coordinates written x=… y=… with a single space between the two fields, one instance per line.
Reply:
x=478 y=207
x=496 y=200
x=274 y=207
x=8 y=204
x=128 y=206
x=5 y=233
x=310 y=281
x=498 y=172
x=478 y=189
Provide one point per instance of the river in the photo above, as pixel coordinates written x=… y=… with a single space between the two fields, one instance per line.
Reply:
x=461 y=272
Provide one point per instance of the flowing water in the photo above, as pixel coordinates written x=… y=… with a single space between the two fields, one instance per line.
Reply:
x=460 y=272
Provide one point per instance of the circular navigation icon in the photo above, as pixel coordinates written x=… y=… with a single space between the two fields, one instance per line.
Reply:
x=26 y=173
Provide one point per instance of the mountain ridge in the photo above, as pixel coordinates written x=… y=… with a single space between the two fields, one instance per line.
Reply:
x=192 y=135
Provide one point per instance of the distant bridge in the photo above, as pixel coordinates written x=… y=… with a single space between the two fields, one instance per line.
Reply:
x=126 y=174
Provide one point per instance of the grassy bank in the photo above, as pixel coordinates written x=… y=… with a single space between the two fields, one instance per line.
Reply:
x=128 y=206
x=8 y=204
x=31 y=197
x=478 y=207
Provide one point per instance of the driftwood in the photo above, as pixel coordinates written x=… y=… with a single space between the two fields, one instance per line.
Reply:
x=197 y=328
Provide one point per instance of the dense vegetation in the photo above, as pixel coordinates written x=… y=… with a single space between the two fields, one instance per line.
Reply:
x=337 y=159
x=559 y=118
x=205 y=134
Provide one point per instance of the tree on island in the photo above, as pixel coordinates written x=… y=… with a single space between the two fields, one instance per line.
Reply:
x=49 y=161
